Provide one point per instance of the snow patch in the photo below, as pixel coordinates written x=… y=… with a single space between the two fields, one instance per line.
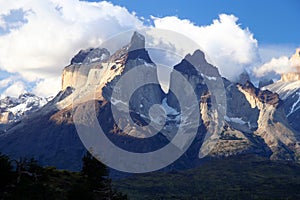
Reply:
x=101 y=58
x=234 y=120
x=211 y=78
x=168 y=109
x=284 y=89
x=116 y=101
x=293 y=109
x=22 y=106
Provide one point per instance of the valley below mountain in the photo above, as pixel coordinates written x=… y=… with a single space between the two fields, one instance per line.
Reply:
x=242 y=177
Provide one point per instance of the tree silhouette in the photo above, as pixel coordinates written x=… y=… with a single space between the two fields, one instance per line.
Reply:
x=6 y=174
x=95 y=171
x=26 y=179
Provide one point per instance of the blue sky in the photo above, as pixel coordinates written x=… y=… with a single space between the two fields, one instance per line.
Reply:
x=38 y=39
x=271 y=21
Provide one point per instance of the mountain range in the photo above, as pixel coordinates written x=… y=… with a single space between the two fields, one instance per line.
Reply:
x=13 y=110
x=244 y=119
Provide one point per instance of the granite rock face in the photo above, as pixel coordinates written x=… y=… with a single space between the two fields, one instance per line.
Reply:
x=288 y=89
x=75 y=75
x=139 y=69
x=233 y=118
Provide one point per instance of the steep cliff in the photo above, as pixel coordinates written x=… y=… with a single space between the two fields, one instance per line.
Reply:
x=74 y=75
x=231 y=118
x=273 y=126
x=288 y=89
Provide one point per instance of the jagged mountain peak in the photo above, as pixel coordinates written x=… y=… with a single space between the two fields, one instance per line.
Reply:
x=13 y=109
x=138 y=41
x=243 y=78
x=288 y=88
x=264 y=96
x=198 y=57
x=90 y=55
x=136 y=49
x=196 y=64
x=255 y=121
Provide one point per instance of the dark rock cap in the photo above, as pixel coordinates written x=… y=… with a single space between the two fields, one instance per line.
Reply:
x=89 y=55
x=137 y=41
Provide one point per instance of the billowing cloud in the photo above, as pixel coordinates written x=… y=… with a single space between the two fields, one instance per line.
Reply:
x=42 y=87
x=225 y=43
x=295 y=60
x=15 y=89
x=5 y=82
x=278 y=65
x=38 y=38
x=269 y=51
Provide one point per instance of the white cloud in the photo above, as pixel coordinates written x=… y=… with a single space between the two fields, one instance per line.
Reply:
x=53 y=31
x=15 y=89
x=47 y=87
x=5 y=82
x=278 y=65
x=2 y=23
x=295 y=60
x=225 y=43
x=267 y=52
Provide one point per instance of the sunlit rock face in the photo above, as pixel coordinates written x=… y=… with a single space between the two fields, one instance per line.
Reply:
x=251 y=120
x=75 y=75
x=6 y=117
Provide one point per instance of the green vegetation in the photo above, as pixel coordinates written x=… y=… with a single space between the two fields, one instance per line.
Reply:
x=25 y=179
x=246 y=177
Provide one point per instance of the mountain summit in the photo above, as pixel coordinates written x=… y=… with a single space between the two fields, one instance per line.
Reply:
x=233 y=118
x=288 y=89
x=14 y=109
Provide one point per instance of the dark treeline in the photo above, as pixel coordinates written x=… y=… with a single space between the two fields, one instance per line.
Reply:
x=26 y=179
